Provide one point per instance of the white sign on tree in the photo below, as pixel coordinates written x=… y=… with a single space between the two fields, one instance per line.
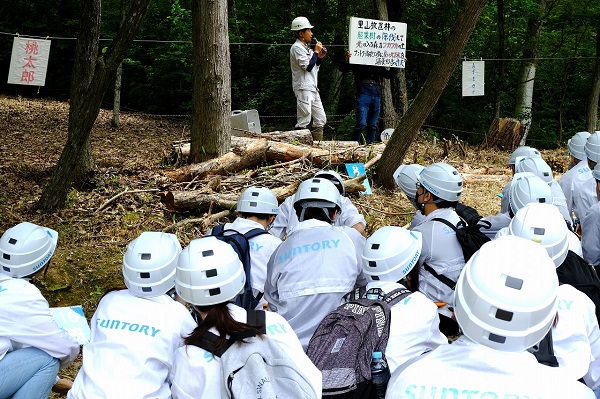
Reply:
x=374 y=42
x=473 y=82
x=29 y=61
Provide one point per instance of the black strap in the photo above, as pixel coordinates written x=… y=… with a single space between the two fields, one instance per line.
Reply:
x=217 y=230
x=255 y=318
x=447 y=223
x=255 y=232
x=442 y=278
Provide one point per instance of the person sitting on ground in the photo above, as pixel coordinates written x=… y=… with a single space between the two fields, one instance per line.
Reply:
x=590 y=226
x=575 y=335
x=541 y=169
x=387 y=259
x=209 y=276
x=522 y=151
x=439 y=187
x=505 y=302
x=286 y=220
x=311 y=271
x=136 y=331
x=257 y=207
x=578 y=172
x=405 y=177
x=32 y=346
x=585 y=197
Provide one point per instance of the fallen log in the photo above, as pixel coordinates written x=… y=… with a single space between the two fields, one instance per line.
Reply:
x=192 y=200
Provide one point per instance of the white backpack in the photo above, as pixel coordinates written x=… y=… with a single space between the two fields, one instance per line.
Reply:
x=256 y=367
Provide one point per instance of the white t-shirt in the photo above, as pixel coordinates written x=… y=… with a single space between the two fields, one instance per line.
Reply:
x=571 y=181
x=287 y=220
x=196 y=373
x=132 y=347
x=584 y=198
x=25 y=321
x=467 y=370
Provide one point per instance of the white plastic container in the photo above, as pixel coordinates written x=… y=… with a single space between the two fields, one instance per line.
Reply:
x=244 y=121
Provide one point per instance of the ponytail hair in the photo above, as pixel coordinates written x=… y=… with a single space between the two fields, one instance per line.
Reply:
x=219 y=317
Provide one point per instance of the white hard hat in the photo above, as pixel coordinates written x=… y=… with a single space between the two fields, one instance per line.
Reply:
x=526 y=188
x=506 y=295
x=259 y=200
x=333 y=177
x=149 y=263
x=390 y=253
x=406 y=179
x=576 y=145
x=26 y=248
x=300 y=23
x=592 y=147
x=523 y=151
x=596 y=171
x=537 y=166
x=209 y=272
x=316 y=193
x=544 y=224
x=442 y=180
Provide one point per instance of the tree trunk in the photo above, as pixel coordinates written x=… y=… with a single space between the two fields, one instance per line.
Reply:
x=388 y=116
x=500 y=55
x=592 y=110
x=408 y=126
x=396 y=12
x=211 y=96
x=527 y=77
x=504 y=134
x=114 y=122
x=92 y=74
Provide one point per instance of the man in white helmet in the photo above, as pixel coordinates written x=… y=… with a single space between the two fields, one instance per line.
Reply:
x=318 y=263
x=505 y=302
x=439 y=187
x=257 y=208
x=286 y=220
x=405 y=177
x=578 y=173
x=575 y=335
x=387 y=259
x=305 y=64
x=523 y=151
x=585 y=197
x=32 y=347
x=590 y=225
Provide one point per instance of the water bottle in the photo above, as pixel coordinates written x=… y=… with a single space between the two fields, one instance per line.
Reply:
x=380 y=375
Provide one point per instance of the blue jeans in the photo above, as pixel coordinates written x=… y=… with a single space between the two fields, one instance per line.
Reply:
x=27 y=373
x=368 y=106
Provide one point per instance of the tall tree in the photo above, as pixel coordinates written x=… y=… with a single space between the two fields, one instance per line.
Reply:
x=211 y=98
x=592 y=109
x=527 y=77
x=118 y=76
x=389 y=116
x=396 y=12
x=92 y=75
x=408 y=126
x=500 y=55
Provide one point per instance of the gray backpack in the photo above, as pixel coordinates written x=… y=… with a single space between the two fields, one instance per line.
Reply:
x=344 y=341
x=256 y=367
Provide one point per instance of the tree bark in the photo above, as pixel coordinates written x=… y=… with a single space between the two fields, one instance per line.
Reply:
x=523 y=107
x=396 y=12
x=389 y=116
x=92 y=74
x=504 y=134
x=500 y=55
x=114 y=122
x=211 y=96
x=408 y=126
x=592 y=110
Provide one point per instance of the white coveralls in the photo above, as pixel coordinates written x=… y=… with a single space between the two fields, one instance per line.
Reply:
x=585 y=198
x=311 y=271
x=590 y=235
x=468 y=370
x=261 y=248
x=287 y=220
x=304 y=83
x=576 y=336
x=132 y=347
x=409 y=340
x=442 y=251
x=571 y=181
x=25 y=321
x=197 y=373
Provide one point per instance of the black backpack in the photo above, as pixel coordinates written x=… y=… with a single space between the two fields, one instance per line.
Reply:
x=469 y=237
x=241 y=245
x=343 y=344
x=577 y=272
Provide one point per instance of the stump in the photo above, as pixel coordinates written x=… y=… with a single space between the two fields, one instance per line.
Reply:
x=504 y=134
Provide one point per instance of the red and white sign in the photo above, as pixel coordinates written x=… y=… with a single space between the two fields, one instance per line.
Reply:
x=29 y=61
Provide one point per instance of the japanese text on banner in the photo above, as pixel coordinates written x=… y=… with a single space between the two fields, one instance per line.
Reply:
x=380 y=43
x=29 y=61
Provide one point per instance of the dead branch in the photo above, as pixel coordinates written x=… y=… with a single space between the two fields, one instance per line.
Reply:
x=126 y=191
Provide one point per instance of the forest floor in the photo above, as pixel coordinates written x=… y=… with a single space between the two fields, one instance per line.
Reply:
x=138 y=156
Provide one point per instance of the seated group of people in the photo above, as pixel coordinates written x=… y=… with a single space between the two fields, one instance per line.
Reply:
x=505 y=301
